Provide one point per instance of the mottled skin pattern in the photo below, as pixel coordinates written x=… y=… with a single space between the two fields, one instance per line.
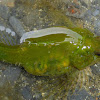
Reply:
x=52 y=58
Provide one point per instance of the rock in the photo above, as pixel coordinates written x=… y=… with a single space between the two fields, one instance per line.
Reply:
x=98 y=23
x=9 y=3
x=4 y=12
x=96 y=69
x=9 y=74
x=26 y=92
x=97 y=31
x=97 y=27
x=17 y=25
x=96 y=12
x=80 y=95
x=83 y=3
x=10 y=92
x=12 y=73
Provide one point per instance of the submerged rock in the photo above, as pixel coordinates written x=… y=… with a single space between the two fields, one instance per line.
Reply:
x=17 y=25
x=4 y=12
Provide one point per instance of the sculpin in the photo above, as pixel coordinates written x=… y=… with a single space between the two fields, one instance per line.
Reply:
x=52 y=51
x=60 y=54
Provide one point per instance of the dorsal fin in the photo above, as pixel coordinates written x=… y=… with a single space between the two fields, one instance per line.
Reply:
x=49 y=31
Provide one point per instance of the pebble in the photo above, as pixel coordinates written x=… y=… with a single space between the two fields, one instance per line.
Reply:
x=97 y=31
x=2 y=28
x=17 y=25
x=80 y=95
x=98 y=23
x=10 y=74
x=4 y=12
x=96 y=69
x=26 y=92
x=96 y=12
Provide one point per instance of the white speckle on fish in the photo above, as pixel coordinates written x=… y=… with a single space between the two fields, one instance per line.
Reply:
x=84 y=47
x=75 y=44
x=44 y=44
x=78 y=47
x=52 y=43
x=71 y=42
x=88 y=47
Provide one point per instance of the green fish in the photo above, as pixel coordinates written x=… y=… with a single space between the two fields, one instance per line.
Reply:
x=53 y=51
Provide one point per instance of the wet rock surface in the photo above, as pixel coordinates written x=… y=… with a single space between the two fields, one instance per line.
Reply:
x=17 y=81
x=96 y=69
x=81 y=95
x=4 y=12
x=17 y=25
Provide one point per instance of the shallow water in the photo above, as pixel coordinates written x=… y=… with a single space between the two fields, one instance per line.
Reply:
x=22 y=16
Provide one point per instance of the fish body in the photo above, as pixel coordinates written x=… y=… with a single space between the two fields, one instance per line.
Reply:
x=52 y=54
